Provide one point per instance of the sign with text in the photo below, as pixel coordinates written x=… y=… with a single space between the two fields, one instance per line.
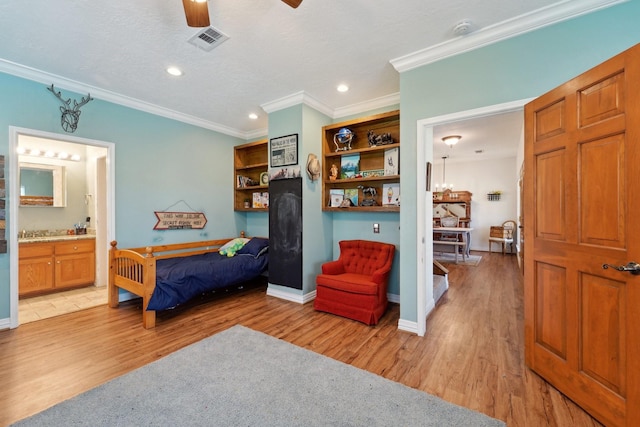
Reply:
x=180 y=220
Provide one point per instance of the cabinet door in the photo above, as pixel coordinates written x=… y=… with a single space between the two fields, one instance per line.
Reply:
x=75 y=269
x=35 y=275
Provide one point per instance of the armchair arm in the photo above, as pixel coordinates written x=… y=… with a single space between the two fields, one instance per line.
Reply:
x=333 y=267
x=380 y=275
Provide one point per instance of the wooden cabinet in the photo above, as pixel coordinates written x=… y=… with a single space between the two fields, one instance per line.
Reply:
x=35 y=268
x=378 y=165
x=251 y=163
x=49 y=266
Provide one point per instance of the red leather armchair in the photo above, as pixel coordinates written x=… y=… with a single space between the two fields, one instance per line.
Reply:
x=355 y=285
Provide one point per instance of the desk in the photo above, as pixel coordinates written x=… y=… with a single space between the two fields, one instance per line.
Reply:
x=464 y=241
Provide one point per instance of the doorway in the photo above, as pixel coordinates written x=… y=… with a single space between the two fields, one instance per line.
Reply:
x=424 y=226
x=97 y=196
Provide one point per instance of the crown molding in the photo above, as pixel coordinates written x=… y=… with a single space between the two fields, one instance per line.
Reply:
x=295 y=99
x=304 y=98
x=522 y=24
x=381 y=102
x=105 y=95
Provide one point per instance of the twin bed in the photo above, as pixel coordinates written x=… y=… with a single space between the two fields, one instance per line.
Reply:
x=166 y=276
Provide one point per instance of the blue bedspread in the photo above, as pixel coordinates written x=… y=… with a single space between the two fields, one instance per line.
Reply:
x=180 y=279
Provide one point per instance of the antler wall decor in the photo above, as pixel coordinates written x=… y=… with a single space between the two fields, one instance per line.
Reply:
x=70 y=116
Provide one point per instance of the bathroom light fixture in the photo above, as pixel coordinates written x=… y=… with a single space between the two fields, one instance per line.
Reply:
x=451 y=140
x=253 y=116
x=342 y=88
x=49 y=154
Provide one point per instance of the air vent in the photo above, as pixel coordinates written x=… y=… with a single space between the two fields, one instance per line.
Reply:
x=208 y=38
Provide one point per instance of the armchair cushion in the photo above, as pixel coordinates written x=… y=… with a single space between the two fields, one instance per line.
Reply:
x=355 y=285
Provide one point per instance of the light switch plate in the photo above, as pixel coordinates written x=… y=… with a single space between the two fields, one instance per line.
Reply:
x=376 y=228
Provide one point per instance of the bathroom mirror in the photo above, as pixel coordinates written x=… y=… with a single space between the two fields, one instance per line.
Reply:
x=42 y=185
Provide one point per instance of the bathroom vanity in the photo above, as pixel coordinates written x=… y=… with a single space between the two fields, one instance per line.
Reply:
x=54 y=263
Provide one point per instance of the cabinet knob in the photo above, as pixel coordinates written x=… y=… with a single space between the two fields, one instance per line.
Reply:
x=75 y=248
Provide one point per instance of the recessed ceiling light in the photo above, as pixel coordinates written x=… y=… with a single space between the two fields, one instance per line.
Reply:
x=342 y=88
x=174 y=71
x=253 y=116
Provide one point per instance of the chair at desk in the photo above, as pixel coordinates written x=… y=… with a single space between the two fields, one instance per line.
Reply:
x=450 y=239
x=505 y=234
x=449 y=221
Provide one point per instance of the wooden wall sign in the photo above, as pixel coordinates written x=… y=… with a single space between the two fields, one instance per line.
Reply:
x=180 y=220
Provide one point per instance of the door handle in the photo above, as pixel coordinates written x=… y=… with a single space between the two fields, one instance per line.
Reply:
x=631 y=267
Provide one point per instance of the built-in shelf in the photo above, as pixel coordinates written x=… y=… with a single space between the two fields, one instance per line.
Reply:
x=250 y=163
x=373 y=159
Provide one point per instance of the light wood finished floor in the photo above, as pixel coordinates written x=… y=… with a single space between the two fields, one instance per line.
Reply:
x=472 y=354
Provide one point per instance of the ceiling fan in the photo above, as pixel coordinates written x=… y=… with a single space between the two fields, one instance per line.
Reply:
x=197 y=11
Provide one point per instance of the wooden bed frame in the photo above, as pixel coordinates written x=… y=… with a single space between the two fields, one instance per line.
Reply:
x=134 y=269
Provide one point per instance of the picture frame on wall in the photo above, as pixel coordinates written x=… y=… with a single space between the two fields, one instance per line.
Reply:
x=283 y=150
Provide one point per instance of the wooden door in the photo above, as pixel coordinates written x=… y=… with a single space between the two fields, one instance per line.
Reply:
x=521 y=221
x=582 y=170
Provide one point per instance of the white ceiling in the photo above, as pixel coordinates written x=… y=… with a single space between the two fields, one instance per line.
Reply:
x=118 y=50
x=488 y=137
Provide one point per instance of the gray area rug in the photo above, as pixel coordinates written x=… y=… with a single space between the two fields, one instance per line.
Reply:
x=447 y=258
x=241 y=377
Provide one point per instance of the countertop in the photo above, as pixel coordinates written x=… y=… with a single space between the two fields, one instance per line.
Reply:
x=41 y=239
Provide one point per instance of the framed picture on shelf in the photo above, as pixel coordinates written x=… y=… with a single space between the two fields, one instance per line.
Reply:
x=349 y=166
x=391 y=194
x=336 y=196
x=284 y=150
x=352 y=195
x=391 y=161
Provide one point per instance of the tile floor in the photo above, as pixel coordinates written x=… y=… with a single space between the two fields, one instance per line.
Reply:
x=45 y=306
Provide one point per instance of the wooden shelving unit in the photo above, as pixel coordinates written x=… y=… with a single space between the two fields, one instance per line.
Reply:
x=456 y=203
x=250 y=161
x=372 y=158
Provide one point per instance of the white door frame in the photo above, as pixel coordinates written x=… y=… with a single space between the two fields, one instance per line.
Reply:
x=424 y=226
x=14 y=133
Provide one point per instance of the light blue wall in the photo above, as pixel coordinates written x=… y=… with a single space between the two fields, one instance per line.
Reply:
x=316 y=225
x=523 y=67
x=159 y=162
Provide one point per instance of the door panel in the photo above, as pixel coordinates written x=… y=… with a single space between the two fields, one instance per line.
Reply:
x=582 y=160
x=602 y=188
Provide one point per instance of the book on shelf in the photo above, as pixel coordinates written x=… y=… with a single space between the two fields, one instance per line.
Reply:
x=391 y=161
x=391 y=194
x=351 y=194
x=349 y=166
x=336 y=196
x=244 y=181
x=265 y=199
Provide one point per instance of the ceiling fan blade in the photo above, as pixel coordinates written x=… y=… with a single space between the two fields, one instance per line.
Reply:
x=293 y=3
x=197 y=13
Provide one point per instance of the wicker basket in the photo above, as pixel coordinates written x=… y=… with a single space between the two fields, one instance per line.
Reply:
x=499 y=231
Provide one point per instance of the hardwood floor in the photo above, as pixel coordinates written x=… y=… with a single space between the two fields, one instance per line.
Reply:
x=472 y=354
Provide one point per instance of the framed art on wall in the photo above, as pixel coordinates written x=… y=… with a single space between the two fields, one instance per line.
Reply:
x=284 y=150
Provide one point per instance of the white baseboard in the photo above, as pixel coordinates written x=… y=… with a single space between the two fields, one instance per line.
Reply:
x=405 y=325
x=300 y=299
x=393 y=298
x=5 y=323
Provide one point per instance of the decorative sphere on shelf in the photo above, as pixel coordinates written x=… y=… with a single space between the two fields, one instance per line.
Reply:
x=344 y=136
